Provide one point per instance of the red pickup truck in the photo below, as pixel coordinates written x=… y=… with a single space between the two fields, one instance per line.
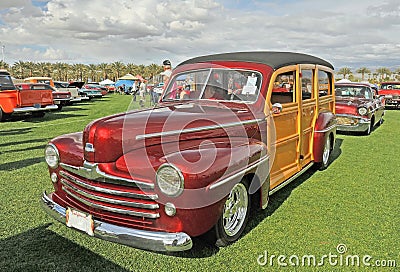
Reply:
x=14 y=101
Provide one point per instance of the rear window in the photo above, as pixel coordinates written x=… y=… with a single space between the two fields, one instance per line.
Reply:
x=6 y=83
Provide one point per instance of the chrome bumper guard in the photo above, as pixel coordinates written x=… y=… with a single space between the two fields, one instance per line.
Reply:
x=32 y=109
x=149 y=240
x=360 y=125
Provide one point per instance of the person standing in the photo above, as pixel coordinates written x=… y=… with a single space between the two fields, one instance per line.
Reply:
x=167 y=71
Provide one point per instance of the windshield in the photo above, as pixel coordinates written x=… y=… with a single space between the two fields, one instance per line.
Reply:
x=354 y=91
x=390 y=86
x=214 y=84
x=6 y=83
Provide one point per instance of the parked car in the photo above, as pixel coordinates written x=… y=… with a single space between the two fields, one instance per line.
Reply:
x=14 y=101
x=358 y=107
x=73 y=88
x=58 y=86
x=96 y=87
x=391 y=91
x=91 y=91
x=59 y=98
x=220 y=141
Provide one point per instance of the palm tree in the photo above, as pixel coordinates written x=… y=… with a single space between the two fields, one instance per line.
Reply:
x=345 y=71
x=152 y=70
x=92 y=72
x=58 y=68
x=105 y=70
x=117 y=68
x=363 y=71
x=397 y=74
x=4 y=65
x=383 y=72
x=18 y=69
x=132 y=68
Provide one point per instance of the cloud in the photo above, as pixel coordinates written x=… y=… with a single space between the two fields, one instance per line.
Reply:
x=346 y=33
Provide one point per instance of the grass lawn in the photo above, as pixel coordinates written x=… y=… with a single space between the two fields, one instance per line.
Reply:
x=355 y=203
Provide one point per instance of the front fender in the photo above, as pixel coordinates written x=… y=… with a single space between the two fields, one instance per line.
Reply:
x=324 y=127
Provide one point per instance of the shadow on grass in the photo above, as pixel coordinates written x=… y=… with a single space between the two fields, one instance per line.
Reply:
x=16 y=131
x=12 y=143
x=40 y=249
x=25 y=149
x=202 y=249
x=20 y=164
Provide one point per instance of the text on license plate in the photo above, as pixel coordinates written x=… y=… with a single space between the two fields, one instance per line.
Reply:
x=80 y=221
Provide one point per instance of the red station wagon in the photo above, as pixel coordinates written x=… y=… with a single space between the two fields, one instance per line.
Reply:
x=14 y=101
x=223 y=138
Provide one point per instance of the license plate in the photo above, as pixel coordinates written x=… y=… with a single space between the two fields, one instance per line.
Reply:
x=80 y=220
x=37 y=106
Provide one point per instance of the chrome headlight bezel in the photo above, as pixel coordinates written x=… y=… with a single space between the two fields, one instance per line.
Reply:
x=362 y=111
x=52 y=156
x=170 y=180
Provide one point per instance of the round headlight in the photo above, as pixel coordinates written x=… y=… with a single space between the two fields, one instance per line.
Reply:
x=51 y=155
x=170 y=180
x=362 y=111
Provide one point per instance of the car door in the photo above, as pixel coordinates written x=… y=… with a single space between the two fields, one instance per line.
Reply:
x=308 y=110
x=284 y=131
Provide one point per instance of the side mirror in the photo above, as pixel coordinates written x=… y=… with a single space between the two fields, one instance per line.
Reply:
x=276 y=108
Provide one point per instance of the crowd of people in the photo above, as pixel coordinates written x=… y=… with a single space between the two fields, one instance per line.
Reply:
x=140 y=89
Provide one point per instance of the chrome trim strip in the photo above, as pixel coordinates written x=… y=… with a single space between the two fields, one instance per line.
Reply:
x=110 y=209
x=108 y=191
x=108 y=200
x=353 y=117
x=149 y=240
x=327 y=129
x=280 y=186
x=197 y=129
x=240 y=173
x=92 y=171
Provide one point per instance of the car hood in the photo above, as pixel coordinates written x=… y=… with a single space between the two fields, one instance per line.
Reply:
x=107 y=139
x=349 y=105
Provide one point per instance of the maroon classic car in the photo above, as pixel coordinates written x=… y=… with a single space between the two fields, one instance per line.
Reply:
x=221 y=140
x=391 y=91
x=358 y=107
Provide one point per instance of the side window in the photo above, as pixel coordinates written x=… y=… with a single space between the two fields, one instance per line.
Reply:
x=307 y=84
x=284 y=86
x=324 y=83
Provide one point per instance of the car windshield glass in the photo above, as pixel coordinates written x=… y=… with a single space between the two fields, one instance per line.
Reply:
x=214 y=84
x=390 y=86
x=6 y=83
x=354 y=91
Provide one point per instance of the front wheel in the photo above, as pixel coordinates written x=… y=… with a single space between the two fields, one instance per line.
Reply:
x=234 y=216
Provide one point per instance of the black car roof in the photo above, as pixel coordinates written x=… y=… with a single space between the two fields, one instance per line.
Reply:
x=274 y=59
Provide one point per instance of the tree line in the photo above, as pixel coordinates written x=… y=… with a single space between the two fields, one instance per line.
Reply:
x=377 y=76
x=80 y=72
x=97 y=72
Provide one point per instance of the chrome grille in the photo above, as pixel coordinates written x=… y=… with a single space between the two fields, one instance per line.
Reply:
x=122 y=200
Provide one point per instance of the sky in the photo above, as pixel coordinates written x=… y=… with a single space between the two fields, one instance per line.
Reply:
x=362 y=33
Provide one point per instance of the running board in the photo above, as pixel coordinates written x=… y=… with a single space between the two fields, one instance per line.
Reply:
x=280 y=186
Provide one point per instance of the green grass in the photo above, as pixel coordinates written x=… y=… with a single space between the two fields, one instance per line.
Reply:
x=354 y=202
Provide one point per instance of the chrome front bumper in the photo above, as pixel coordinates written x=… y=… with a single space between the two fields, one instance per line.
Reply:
x=352 y=123
x=149 y=240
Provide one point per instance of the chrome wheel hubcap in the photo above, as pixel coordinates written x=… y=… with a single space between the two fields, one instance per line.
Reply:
x=327 y=151
x=235 y=209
